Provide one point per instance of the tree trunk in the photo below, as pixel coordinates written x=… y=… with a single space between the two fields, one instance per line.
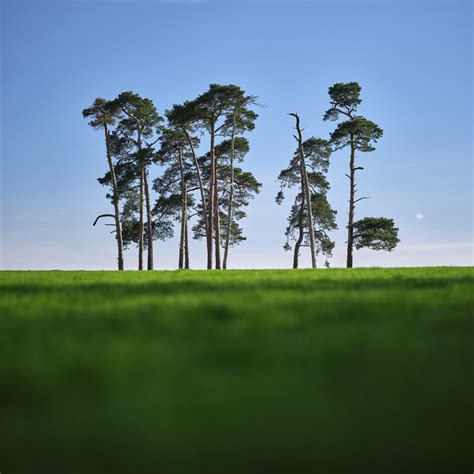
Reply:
x=217 y=223
x=115 y=200
x=149 y=223
x=301 y=233
x=142 y=190
x=186 y=238
x=306 y=192
x=142 y=227
x=213 y=214
x=350 y=225
x=203 y=200
x=184 y=216
x=231 y=196
x=181 y=242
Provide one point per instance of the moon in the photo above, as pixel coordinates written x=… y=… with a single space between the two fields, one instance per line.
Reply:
x=419 y=216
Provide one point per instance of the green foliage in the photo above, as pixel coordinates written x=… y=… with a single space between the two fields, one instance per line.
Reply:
x=241 y=148
x=169 y=200
x=317 y=152
x=172 y=142
x=140 y=116
x=183 y=116
x=246 y=186
x=101 y=112
x=360 y=371
x=224 y=101
x=126 y=173
x=362 y=132
x=345 y=98
x=376 y=233
x=174 y=152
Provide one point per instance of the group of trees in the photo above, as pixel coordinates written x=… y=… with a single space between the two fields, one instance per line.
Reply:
x=311 y=216
x=212 y=189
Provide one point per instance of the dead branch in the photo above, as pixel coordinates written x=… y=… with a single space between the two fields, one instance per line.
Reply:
x=103 y=215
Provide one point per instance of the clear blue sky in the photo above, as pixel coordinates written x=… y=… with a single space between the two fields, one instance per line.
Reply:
x=412 y=59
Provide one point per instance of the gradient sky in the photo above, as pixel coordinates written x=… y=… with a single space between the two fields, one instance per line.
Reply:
x=412 y=59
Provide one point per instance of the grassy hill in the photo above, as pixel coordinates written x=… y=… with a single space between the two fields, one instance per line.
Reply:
x=363 y=370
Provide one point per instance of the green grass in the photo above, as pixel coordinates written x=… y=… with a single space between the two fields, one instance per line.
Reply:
x=328 y=371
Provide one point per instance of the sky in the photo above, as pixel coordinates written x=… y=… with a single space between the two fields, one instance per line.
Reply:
x=413 y=60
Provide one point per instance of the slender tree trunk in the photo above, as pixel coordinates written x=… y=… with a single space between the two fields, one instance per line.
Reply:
x=306 y=192
x=217 y=220
x=149 y=224
x=211 y=205
x=181 y=242
x=301 y=233
x=213 y=208
x=142 y=192
x=141 y=229
x=203 y=200
x=184 y=217
x=350 y=225
x=231 y=196
x=115 y=200
x=186 y=238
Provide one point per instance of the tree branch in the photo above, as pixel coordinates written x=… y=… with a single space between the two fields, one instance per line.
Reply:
x=360 y=199
x=103 y=215
x=347 y=113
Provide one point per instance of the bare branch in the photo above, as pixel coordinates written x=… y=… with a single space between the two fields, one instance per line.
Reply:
x=103 y=215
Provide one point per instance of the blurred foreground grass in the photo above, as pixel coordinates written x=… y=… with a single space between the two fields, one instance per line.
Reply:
x=328 y=371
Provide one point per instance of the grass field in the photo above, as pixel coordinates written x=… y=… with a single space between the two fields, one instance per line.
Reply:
x=327 y=371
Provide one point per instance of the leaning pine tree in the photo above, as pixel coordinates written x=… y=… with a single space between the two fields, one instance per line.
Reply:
x=186 y=119
x=103 y=115
x=307 y=172
x=359 y=135
x=139 y=127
